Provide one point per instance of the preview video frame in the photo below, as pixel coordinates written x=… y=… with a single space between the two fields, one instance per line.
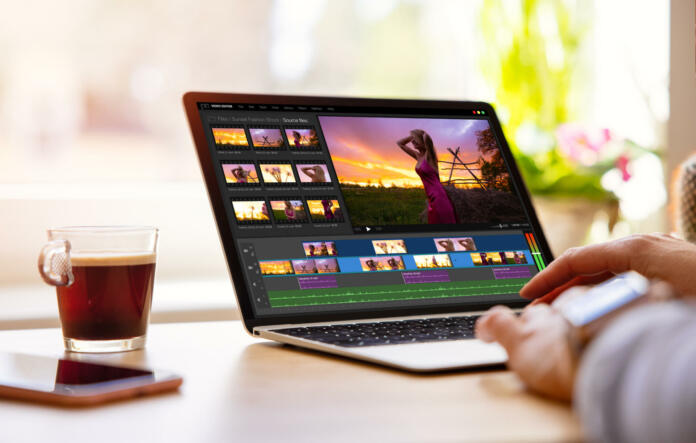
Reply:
x=396 y=171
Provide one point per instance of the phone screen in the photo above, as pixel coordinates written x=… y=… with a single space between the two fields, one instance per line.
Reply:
x=51 y=374
x=605 y=298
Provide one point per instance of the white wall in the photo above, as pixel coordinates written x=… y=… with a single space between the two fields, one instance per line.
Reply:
x=188 y=248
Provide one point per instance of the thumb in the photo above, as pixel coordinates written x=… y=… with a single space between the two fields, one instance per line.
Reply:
x=500 y=325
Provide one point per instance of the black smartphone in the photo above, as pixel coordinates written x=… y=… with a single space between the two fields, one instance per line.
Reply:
x=77 y=383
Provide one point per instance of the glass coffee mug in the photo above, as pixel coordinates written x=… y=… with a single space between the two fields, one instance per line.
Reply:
x=104 y=278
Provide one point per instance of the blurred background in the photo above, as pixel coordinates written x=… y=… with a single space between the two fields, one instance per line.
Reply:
x=93 y=131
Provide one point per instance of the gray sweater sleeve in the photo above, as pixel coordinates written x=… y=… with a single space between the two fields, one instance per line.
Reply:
x=637 y=380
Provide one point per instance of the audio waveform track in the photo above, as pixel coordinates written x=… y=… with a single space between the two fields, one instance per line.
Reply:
x=362 y=294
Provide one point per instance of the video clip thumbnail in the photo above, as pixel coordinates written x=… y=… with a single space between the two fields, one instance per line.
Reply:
x=389 y=246
x=319 y=248
x=303 y=138
x=314 y=173
x=275 y=267
x=277 y=173
x=240 y=173
x=515 y=258
x=326 y=265
x=251 y=211
x=454 y=244
x=325 y=210
x=266 y=137
x=433 y=261
x=382 y=263
x=488 y=258
x=304 y=266
x=227 y=137
x=288 y=210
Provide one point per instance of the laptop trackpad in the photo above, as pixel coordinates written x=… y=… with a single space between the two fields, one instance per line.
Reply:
x=436 y=356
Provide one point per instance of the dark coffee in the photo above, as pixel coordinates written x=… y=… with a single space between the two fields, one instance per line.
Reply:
x=110 y=297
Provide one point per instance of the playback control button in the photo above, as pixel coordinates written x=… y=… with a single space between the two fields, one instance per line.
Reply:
x=254 y=277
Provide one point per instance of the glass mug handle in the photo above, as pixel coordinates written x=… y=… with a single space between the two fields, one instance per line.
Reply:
x=54 y=263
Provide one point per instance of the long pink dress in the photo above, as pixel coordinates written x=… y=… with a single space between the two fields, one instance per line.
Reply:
x=440 y=209
x=328 y=213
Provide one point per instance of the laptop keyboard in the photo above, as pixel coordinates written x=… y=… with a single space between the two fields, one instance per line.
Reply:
x=388 y=332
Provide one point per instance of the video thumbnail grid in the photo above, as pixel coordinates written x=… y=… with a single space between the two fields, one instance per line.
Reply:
x=284 y=209
x=389 y=255
x=279 y=173
x=265 y=137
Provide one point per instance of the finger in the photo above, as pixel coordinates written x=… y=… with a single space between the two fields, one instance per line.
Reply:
x=612 y=257
x=581 y=280
x=532 y=312
x=499 y=324
x=661 y=291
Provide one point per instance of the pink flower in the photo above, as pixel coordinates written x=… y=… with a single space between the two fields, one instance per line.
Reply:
x=622 y=165
x=582 y=146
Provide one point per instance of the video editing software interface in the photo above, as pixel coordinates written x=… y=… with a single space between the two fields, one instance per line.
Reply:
x=358 y=209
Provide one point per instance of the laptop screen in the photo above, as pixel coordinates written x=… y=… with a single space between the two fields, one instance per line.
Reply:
x=345 y=209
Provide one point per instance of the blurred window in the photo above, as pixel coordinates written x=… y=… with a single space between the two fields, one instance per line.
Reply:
x=90 y=91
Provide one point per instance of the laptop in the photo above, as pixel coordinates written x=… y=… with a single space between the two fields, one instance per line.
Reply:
x=368 y=228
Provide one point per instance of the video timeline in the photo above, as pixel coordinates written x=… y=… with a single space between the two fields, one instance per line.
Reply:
x=323 y=257
x=360 y=270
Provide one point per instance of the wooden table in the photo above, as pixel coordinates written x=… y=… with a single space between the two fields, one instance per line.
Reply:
x=237 y=388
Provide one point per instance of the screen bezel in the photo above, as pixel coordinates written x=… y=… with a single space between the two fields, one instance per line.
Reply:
x=191 y=101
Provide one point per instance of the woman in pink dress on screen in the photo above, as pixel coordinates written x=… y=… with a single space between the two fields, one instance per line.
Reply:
x=297 y=139
x=328 y=213
x=289 y=210
x=240 y=175
x=440 y=209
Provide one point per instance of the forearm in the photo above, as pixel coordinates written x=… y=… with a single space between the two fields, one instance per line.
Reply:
x=635 y=382
x=403 y=144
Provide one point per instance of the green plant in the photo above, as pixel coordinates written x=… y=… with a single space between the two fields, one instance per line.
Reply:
x=531 y=57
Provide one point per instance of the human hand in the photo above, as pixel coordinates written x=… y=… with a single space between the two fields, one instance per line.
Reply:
x=656 y=256
x=537 y=346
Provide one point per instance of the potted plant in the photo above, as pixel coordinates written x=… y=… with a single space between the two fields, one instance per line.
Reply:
x=532 y=59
